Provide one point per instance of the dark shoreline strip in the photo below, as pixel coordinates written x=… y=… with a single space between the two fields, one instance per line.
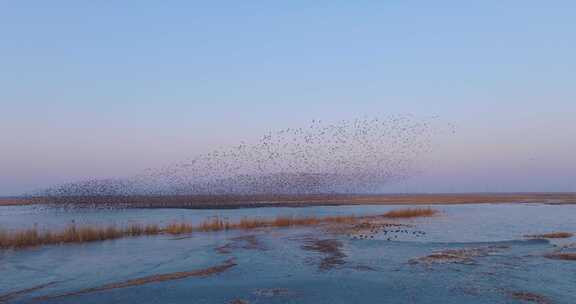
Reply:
x=149 y=279
x=11 y=295
x=286 y=200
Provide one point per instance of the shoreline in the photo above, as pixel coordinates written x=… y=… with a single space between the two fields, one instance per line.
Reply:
x=263 y=201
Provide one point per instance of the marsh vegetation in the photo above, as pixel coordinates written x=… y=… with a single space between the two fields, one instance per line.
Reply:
x=75 y=233
x=551 y=235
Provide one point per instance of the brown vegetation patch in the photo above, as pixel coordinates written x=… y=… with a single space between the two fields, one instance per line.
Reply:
x=456 y=256
x=566 y=256
x=552 y=235
x=80 y=234
x=15 y=201
x=73 y=234
x=529 y=297
x=215 y=224
x=331 y=250
x=151 y=279
x=239 y=301
x=411 y=212
x=178 y=228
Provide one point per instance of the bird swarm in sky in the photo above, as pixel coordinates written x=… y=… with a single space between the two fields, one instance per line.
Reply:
x=357 y=156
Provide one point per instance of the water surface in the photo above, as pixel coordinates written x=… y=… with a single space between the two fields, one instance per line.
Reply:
x=311 y=265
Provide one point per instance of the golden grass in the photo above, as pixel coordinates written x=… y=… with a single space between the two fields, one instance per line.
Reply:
x=73 y=234
x=411 y=212
x=252 y=223
x=177 y=228
x=82 y=234
x=552 y=235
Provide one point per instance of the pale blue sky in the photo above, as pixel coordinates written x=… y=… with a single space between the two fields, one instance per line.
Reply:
x=103 y=88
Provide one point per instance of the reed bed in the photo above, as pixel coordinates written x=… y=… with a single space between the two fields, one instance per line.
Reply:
x=215 y=224
x=411 y=212
x=74 y=233
x=177 y=228
x=552 y=235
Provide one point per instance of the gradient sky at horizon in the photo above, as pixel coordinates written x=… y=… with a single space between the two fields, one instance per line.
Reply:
x=107 y=89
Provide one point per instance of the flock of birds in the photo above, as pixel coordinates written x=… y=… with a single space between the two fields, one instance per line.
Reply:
x=358 y=156
x=384 y=231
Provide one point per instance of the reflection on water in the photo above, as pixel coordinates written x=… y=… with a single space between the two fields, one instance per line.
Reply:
x=469 y=254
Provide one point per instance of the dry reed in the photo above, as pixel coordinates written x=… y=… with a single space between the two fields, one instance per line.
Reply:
x=553 y=235
x=177 y=228
x=411 y=212
x=215 y=224
x=81 y=234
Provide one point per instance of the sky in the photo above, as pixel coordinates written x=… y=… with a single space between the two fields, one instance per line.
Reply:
x=95 y=89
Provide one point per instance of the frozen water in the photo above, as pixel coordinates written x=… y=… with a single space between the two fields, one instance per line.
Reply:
x=495 y=263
